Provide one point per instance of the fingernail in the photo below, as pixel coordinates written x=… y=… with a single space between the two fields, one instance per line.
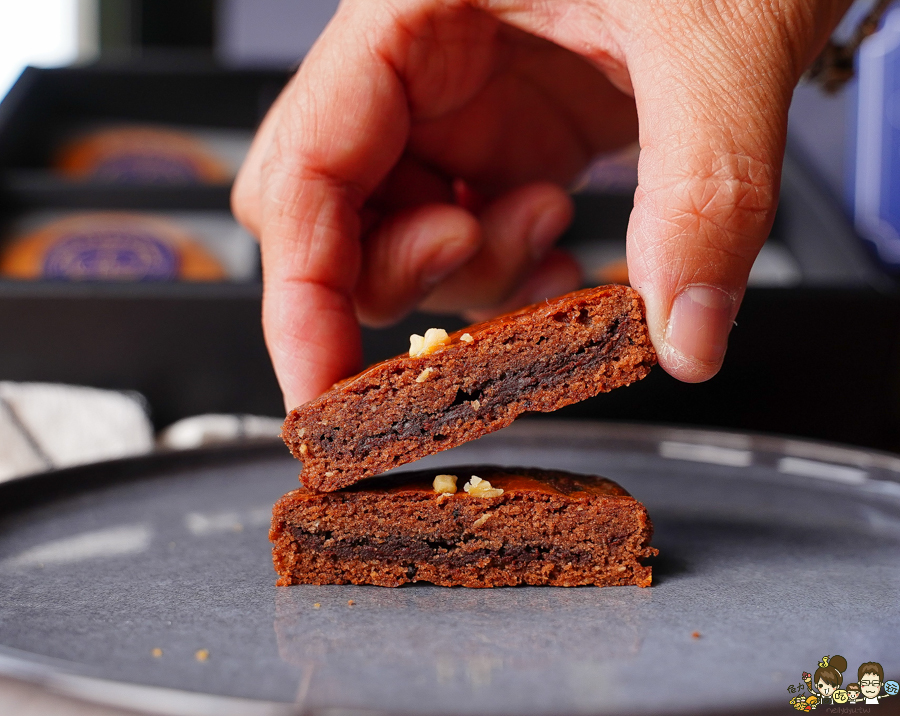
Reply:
x=700 y=322
x=448 y=256
x=548 y=226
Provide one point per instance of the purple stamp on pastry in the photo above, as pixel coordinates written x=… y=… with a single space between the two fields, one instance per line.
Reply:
x=110 y=255
x=146 y=168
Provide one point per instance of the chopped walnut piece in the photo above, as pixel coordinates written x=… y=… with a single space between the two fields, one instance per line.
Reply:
x=303 y=449
x=445 y=484
x=476 y=405
x=481 y=488
x=433 y=339
x=467 y=337
x=424 y=375
x=484 y=518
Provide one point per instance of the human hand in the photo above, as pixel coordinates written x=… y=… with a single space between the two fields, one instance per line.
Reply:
x=418 y=155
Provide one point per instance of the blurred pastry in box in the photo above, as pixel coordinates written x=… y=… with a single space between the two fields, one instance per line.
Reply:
x=109 y=246
x=139 y=154
x=614 y=271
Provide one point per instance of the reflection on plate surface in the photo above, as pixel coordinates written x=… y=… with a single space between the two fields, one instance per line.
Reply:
x=502 y=651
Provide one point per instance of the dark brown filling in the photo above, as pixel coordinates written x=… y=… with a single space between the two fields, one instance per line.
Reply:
x=408 y=551
x=493 y=393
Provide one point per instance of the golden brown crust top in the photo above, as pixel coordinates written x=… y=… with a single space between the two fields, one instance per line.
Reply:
x=481 y=330
x=512 y=480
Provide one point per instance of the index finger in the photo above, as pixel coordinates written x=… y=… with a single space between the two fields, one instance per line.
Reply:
x=340 y=126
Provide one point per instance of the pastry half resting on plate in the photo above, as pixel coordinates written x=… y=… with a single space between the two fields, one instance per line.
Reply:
x=470 y=526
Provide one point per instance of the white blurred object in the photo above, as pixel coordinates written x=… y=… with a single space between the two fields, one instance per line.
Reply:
x=45 y=426
x=775 y=266
x=44 y=33
x=215 y=428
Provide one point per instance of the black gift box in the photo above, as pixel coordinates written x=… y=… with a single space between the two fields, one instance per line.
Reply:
x=188 y=347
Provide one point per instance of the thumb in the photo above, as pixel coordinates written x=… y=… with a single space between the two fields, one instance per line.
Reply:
x=712 y=142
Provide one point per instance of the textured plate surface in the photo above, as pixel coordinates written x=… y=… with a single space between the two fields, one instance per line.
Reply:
x=776 y=552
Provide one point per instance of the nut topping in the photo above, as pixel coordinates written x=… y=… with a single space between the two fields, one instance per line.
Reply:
x=424 y=375
x=433 y=339
x=445 y=484
x=481 y=488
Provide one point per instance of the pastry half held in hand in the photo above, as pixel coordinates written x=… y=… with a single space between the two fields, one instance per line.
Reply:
x=452 y=389
x=473 y=526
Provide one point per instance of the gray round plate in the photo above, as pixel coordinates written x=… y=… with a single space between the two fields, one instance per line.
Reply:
x=773 y=553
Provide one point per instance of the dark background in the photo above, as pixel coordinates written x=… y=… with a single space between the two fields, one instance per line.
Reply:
x=818 y=359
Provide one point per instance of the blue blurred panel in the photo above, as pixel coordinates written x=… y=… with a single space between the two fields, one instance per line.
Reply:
x=877 y=175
